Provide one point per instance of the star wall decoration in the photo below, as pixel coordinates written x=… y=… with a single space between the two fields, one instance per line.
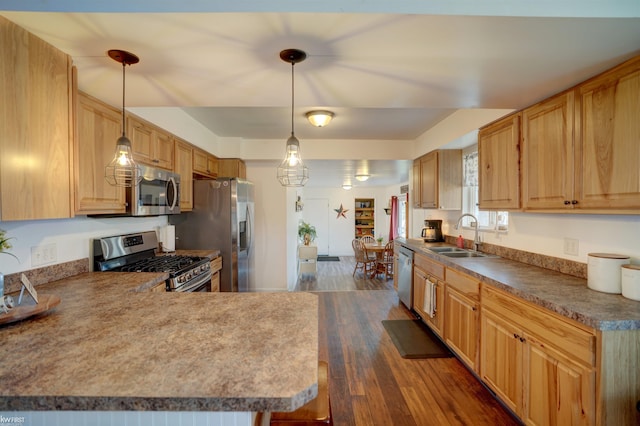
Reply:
x=341 y=212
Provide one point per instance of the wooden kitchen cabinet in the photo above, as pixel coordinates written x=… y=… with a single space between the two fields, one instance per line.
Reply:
x=499 y=164
x=204 y=164
x=420 y=302
x=441 y=180
x=462 y=321
x=98 y=127
x=150 y=145
x=547 y=154
x=36 y=127
x=183 y=165
x=415 y=180
x=580 y=150
x=232 y=167
x=216 y=267
x=607 y=172
x=540 y=365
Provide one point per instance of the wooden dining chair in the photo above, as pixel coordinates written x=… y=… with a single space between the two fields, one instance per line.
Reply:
x=362 y=260
x=384 y=265
x=368 y=239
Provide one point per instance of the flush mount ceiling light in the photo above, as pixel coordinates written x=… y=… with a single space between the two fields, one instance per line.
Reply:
x=123 y=170
x=362 y=177
x=346 y=186
x=292 y=171
x=319 y=118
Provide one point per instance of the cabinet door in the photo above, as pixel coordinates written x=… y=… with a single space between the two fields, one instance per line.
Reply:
x=429 y=181
x=547 y=154
x=498 y=165
x=35 y=127
x=204 y=164
x=419 y=288
x=141 y=137
x=501 y=359
x=608 y=134
x=163 y=146
x=232 y=167
x=558 y=391
x=461 y=326
x=415 y=179
x=98 y=128
x=437 y=322
x=183 y=165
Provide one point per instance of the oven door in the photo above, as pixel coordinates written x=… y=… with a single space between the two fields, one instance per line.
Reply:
x=201 y=283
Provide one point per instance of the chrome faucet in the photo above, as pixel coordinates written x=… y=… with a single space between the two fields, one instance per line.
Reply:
x=476 y=241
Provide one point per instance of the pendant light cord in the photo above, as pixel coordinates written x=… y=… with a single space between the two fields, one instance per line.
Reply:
x=123 y=84
x=292 y=96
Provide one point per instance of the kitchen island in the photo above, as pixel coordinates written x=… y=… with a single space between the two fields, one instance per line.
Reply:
x=111 y=345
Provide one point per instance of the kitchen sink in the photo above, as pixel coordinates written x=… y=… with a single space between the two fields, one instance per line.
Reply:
x=441 y=250
x=464 y=253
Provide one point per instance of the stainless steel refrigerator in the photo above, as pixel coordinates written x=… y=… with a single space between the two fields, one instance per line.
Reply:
x=222 y=218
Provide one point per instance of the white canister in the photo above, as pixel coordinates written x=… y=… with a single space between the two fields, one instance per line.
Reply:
x=630 y=276
x=603 y=272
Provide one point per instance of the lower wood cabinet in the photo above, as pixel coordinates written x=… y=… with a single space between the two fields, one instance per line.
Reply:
x=526 y=357
x=461 y=326
x=216 y=267
x=428 y=302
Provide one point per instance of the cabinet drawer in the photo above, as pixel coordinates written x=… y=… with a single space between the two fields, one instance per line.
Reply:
x=429 y=266
x=576 y=341
x=465 y=284
x=215 y=282
x=216 y=264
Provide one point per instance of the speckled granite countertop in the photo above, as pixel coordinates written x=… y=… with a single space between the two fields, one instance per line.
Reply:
x=109 y=346
x=564 y=294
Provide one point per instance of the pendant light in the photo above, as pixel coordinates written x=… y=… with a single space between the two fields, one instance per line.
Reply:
x=123 y=170
x=292 y=171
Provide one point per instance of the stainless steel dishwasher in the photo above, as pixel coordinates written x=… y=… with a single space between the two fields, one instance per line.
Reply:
x=405 y=276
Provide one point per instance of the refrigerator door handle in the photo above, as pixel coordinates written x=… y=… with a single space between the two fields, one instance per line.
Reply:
x=249 y=230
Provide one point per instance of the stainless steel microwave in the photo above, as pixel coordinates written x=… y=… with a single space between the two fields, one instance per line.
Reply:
x=158 y=193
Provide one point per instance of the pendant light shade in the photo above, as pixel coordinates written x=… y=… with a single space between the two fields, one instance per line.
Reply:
x=292 y=171
x=122 y=170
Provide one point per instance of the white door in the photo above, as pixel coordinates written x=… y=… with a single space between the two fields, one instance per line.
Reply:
x=316 y=213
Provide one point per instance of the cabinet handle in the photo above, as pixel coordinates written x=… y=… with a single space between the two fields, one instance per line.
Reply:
x=567 y=202
x=522 y=339
x=574 y=202
x=515 y=336
x=155 y=161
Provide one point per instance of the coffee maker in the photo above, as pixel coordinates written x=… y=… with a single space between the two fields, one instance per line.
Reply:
x=432 y=231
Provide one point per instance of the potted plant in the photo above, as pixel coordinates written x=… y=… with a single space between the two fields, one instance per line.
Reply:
x=306 y=232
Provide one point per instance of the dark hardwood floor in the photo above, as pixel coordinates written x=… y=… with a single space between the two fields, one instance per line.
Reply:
x=370 y=384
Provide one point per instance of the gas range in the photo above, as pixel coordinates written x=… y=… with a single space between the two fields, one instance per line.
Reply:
x=137 y=253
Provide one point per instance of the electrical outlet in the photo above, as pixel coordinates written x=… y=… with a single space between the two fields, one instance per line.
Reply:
x=571 y=246
x=41 y=255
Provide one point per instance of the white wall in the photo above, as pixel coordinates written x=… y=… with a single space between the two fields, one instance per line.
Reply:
x=70 y=236
x=341 y=230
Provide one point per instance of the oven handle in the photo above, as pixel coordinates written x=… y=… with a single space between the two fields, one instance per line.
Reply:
x=202 y=279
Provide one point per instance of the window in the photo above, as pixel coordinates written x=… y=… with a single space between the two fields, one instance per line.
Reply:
x=488 y=220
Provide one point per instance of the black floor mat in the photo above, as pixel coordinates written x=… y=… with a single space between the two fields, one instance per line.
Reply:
x=328 y=259
x=413 y=339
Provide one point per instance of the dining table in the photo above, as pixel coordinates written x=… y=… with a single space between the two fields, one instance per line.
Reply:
x=378 y=250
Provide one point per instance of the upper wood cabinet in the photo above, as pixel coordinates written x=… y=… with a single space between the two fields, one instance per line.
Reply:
x=98 y=128
x=547 y=154
x=183 y=165
x=36 y=127
x=607 y=155
x=232 y=167
x=499 y=164
x=440 y=183
x=205 y=164
x=150 y=144
x=415 y=181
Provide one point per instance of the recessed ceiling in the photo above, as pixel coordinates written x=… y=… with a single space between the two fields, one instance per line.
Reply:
x=386 y=76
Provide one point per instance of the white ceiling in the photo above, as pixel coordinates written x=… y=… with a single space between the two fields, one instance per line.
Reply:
x=388 y=76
